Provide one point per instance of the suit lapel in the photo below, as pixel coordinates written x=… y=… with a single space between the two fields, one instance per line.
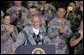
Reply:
x=31 y=39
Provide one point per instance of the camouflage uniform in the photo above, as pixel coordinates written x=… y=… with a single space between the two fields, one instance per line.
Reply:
x=59 y=40
x=32 y=3
x=52 y=8
x=78 y=49
x=24 y=13
x=49 y=14
x=7 y=40
x=75 y=21
x=12 y=10
x=26 y=37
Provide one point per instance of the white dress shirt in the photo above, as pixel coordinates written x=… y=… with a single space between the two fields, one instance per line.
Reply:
x=36 y=31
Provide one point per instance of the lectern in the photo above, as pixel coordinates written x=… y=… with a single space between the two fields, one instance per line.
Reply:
x=35 y=49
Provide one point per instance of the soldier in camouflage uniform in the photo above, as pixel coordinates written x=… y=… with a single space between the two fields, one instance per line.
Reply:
x=32 y=3
x=32 y=35
x=77 y=41
x=9 y=34
x=59 y=31
x=74 y=17
x=13 y=11
x=43 y=6
x=47 y=9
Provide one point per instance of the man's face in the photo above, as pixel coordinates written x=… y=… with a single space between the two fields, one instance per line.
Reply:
x=36 y=22
x=17 y=3
x=7 y=20
x=61 y=12
x=33 y=11
x=81 y=3
x=72 y=5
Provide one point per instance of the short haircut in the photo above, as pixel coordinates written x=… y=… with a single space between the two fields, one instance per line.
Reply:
x=72 y=2
x=6 y=15
x=33 y=16
x=60 y=7
x=32 y=7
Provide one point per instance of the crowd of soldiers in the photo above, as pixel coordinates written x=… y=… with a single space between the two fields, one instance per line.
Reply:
x=43 y=23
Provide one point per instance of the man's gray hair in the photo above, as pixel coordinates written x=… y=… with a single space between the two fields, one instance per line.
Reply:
x=35 y=16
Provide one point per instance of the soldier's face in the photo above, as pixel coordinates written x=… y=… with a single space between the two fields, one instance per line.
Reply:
x=7 y=20
x=81 y=3
x=17 y=3
x=61 y=12
x=33 y=11
x=36 y=22
x=72 y=5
